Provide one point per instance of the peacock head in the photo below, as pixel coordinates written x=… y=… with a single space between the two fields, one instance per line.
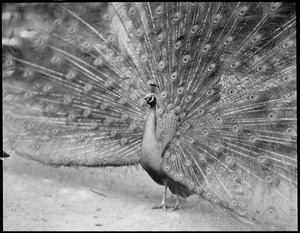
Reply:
x=150 y=99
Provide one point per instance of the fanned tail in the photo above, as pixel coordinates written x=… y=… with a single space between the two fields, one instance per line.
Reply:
x=72 y=89
x=74 y=76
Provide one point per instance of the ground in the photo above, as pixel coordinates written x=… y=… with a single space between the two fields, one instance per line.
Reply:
x=37 y=197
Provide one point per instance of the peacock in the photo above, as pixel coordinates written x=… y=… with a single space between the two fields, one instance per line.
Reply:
x=201 y=94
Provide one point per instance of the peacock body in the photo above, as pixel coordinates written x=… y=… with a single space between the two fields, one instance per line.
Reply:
x=220 y=80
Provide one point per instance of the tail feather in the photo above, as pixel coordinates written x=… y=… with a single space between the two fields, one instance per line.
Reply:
x=65 y=110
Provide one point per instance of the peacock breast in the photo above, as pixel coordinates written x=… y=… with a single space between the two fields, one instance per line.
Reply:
x=167 y=126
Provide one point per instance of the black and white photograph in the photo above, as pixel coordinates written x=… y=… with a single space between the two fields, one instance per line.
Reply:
x=149 y=116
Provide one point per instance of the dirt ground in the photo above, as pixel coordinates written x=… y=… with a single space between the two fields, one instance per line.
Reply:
x=38 y=198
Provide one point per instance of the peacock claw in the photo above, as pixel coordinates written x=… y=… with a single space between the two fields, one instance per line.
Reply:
x=161 y=206
x=165 y=206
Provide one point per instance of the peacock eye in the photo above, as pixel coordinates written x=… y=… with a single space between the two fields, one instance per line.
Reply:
x=132 y=10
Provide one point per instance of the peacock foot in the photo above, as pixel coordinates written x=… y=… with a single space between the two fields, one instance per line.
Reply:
x=165 y=206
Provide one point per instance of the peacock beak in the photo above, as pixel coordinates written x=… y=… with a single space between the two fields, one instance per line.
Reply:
x=144 y=102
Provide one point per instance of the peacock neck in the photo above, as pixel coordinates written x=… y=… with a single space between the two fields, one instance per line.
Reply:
x=149 y=138
x=150 y=128
x=151 y=148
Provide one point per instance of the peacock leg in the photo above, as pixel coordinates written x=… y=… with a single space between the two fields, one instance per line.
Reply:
x=177 y=205
x=163 y=204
